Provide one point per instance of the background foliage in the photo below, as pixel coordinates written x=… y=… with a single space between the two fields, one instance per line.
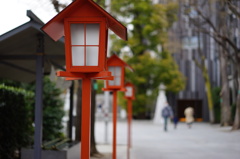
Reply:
x=15 y=120
x=17 y=115
x=148 y=25
x=52 y=109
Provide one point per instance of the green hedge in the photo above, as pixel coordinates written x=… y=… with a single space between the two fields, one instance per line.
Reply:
x=15 y=125
x=17 y=115
x=216 y=103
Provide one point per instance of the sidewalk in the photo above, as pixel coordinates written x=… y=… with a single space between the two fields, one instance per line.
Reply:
x=151 y=142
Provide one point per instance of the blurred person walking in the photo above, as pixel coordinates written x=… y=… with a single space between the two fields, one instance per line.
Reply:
x=188 y=112
x=167 y=113
x=175 y=121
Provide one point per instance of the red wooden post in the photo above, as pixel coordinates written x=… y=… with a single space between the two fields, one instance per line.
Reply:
x=129 y=107
x=129 y=95
x=114 y=109
x=129 y=122
x=116 y=66
x=86 y=118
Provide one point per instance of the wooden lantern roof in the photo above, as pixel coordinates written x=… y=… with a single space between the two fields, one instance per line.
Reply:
x=82 y=8
x=114 y=60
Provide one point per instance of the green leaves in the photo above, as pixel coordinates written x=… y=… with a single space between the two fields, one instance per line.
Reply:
x=150 y=23
x=52 y=111
x=15 y=122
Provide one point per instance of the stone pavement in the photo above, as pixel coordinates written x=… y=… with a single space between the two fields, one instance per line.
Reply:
x=149 y=141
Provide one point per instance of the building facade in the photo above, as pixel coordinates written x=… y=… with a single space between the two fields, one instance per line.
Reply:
x=195 y=42
x=193 y=46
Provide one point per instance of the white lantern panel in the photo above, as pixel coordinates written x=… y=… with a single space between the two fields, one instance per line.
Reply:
x=77 y=34
x=92 y=34
x=77 y=56
x=129 y=92
x=92 y=56
x=111 y=82
x=117 y=71
x=117 y=80
x=111 y=69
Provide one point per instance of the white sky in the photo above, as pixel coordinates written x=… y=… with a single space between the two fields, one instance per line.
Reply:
x=14 y=12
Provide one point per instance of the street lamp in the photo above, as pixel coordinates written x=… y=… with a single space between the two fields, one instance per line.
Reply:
x=117 y=67
x=85 y=27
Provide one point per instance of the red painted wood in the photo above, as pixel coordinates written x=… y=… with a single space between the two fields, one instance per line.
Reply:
x=129 y=142
x=114 y=109
x=86 y=118
x=82 y=8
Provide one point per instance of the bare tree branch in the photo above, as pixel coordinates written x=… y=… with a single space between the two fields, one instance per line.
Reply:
x=57 y=5
x=206 y=19
x=233 y=8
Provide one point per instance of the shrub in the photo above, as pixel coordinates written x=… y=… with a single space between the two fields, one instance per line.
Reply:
x=15 y=125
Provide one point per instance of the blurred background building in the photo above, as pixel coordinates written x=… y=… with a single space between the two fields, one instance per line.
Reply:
x=188 y=44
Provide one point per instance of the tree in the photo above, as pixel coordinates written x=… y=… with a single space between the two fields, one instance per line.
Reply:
x=149 y=24
x=221 y=31
x=201 y=65
x=200 y=58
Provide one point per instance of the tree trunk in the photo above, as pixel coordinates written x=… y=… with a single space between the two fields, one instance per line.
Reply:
x=94 y=151
x=78 y=117
x=236 y=124
x=225 y=93
x=207 y=81
x=208 y=88
x=209 y=96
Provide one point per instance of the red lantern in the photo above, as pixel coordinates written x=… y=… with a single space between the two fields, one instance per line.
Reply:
x=85 y=27
x=117 y=68
x=129 y=93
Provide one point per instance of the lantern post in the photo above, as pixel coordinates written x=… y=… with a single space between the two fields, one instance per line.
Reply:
x=117 y=67
x=129 y=95
x=84 y=24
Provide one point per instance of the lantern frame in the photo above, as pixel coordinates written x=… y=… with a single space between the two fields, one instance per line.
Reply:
x=101 y=44
x=121 y=85
x=115 y=61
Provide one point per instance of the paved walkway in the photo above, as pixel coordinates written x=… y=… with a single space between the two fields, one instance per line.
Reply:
x=202 y=141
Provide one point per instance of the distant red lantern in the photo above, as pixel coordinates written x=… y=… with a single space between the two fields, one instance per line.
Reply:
x=129 y=93
x=117 y=68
